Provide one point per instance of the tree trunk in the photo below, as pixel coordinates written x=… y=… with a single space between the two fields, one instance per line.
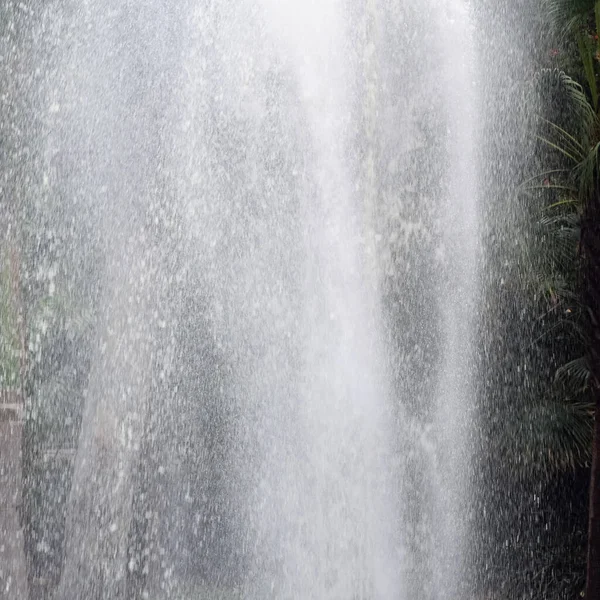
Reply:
x=592 y=591
x=591 y=254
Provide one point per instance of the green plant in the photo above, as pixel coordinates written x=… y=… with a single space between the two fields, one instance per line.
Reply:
x=9 y=331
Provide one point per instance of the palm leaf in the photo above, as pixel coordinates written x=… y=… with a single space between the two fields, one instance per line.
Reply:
x=575 y=373
x=587 y=172
x=582 y=114
x=569 y=15
x=586 y=52
x=569 y=141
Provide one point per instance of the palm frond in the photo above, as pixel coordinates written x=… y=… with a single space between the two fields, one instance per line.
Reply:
x=564 y=202
x=541 y=176
x=586 y=52
x=583 y=118
x=566 y=139
x=569 y=15
x=576 y=372
x=587 y=172
x=568 y=153
x=547 y=437
x=570 y=220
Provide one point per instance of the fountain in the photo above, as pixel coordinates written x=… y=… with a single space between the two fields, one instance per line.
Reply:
x=280 y=198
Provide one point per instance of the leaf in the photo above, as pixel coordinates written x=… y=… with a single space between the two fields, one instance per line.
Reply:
x=586 y=52
x=575 y=372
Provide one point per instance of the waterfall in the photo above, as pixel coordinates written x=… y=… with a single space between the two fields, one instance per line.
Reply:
x=458 y=308
x=280 y=398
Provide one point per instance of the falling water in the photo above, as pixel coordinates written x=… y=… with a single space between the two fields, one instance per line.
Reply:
x=277 y=230
x=298 y=312
x=455 y=393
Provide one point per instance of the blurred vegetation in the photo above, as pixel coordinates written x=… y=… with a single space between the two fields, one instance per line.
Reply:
x=9 y=333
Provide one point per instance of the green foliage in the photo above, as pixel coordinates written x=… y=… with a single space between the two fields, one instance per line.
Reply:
x=9 y=332
x=569 y=16
x=562 y=435
x=552 y=432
